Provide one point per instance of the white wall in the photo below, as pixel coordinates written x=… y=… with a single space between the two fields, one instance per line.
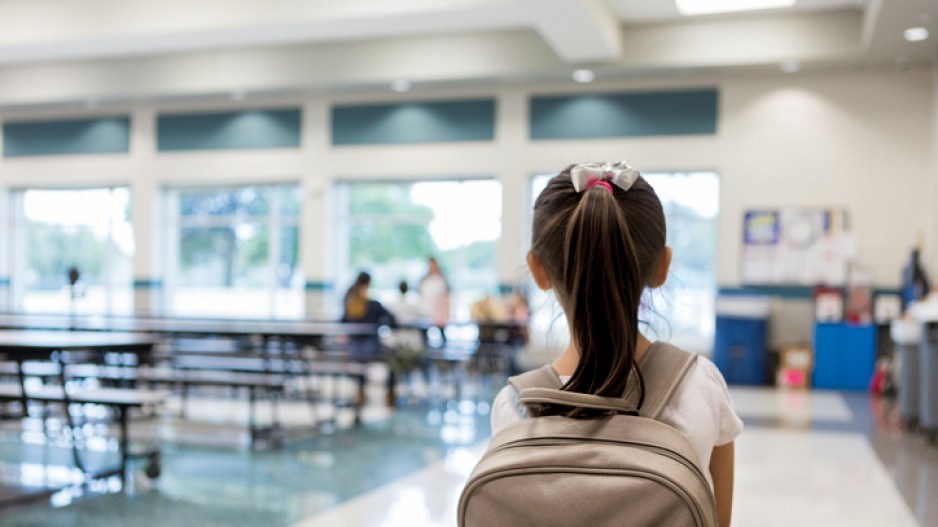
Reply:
x=861 y=139
x=931 y=243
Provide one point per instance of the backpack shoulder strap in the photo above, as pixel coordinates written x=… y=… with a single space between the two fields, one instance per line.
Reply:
x=544 y=377
x=663 y=368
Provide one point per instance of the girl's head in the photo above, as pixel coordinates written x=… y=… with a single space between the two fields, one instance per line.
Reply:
x=598 y=249
x=433 y=266
x=363 y=280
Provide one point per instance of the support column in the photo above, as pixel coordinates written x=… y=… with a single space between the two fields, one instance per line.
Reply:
x=511 y=136
x=146 y=199
x=315 y=235
x=6 y=246
x=931 y=230
x=6 y=296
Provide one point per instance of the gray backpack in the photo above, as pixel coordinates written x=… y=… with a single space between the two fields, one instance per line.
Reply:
x=624 y=469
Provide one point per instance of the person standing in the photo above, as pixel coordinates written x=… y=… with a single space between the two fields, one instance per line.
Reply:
x=434 y=296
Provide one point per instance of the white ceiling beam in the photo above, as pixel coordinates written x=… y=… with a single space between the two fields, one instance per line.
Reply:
x=731 y=42
x=52 y=30
x=578 y=30
x=337 y=65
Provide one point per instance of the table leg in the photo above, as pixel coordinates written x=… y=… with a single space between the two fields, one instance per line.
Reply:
x=21 y=376
x=251 y=417
x=125 y=440
x=66 y=406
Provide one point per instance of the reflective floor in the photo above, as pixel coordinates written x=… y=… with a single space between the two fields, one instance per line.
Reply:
x=823 y=458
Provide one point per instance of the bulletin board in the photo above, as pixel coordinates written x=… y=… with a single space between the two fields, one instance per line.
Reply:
x=796 y=246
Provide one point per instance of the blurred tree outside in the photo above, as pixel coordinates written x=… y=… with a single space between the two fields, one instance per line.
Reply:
x=52 y=249
x=392 y=228
x=240 y=245
x=389 y=226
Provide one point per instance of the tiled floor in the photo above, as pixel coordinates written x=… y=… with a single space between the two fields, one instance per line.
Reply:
x=824 y=458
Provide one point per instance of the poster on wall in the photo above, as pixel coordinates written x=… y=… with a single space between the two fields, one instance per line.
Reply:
x=795 y=246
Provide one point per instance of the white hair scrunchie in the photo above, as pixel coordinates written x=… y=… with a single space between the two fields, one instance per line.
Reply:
x=586 y=175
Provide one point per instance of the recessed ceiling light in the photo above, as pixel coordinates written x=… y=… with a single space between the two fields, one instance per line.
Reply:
x=790 y=66
x=401 y=85
x=584 y=76
x=238 y=95
x=915 y=34
x=706 y=7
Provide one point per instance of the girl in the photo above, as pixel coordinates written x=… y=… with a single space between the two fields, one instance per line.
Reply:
x=598 y=242
x=360 y=308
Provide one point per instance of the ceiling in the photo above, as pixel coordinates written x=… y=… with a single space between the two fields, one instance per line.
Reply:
x=60 y=51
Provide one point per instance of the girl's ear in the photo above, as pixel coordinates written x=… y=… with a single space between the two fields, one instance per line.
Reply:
x=538 y=272
x=660 y=276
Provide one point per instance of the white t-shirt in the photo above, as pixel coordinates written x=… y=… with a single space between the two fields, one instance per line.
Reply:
x=700 y=408
x=404 y=310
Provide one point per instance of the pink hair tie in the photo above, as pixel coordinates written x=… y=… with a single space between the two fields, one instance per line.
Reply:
x=600 y=182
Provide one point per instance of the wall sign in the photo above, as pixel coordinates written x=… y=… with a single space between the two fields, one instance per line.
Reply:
x=795 y=246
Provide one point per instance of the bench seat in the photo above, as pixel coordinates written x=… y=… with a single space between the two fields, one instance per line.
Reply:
x=127 y=398
x=212 y=378
x=72 y=371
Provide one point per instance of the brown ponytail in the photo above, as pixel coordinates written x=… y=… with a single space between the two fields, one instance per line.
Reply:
x=599 y=249
x=356 y=302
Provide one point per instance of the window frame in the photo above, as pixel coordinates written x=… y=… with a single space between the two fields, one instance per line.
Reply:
x=342 y=220
x=18 y=257
x=274 y=220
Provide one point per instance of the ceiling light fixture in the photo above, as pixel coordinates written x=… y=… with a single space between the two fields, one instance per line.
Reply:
x=401 y=85
x=706 y=7
x=790 y=66
x=238 y=95
x=915 y=34
x=584 y=76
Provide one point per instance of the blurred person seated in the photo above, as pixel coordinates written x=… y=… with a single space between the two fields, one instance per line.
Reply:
x=408 y=345
x=491 y=317
x=362 y=309
x=519 y=313
x=489 y=309
x=359 y=308
x=405 y=308
x=503 y=323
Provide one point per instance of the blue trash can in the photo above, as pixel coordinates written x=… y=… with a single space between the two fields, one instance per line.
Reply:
x=844 y=356
x=740 y=343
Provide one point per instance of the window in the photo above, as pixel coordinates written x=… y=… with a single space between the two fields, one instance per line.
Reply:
x=88 y=230
x=683 y=309
x=389 y=230
x=233 y=251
